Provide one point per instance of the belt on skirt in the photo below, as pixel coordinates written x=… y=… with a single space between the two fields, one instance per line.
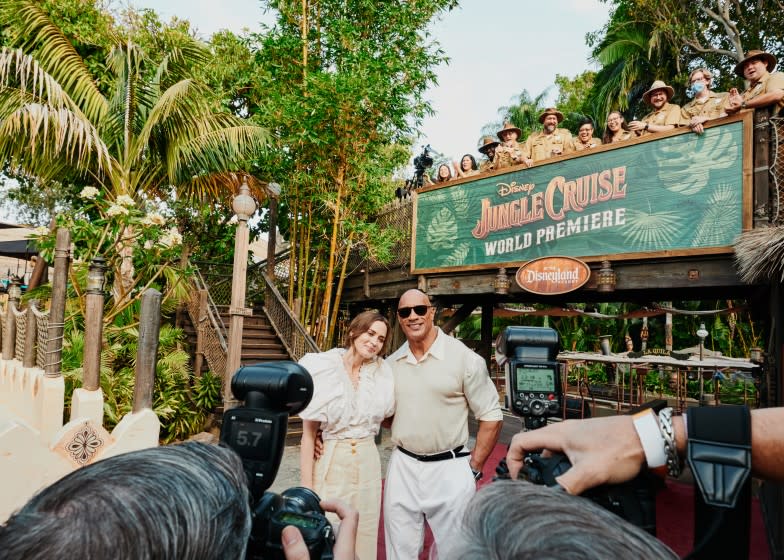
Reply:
x=451 y=454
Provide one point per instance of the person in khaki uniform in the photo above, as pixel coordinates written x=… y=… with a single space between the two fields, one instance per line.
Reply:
x=585 y=139
x=765 y=86
x=665 y=115
x=616 y=130
x=487 y=149
x=509 y=152
x=706 y=105
x=551 y=141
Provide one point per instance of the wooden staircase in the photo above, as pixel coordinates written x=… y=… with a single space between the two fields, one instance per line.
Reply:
x=260 y=344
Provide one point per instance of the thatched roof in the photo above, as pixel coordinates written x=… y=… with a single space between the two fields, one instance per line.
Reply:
x=759 y=255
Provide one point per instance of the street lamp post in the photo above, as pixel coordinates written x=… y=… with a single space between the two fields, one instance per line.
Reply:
x=244 y=207
x=702 y=333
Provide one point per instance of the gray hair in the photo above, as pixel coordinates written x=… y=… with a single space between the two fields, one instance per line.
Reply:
x=512 y=519
x=186 y=501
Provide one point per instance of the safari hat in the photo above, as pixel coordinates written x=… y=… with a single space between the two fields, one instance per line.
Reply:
x=488 y=143
x=551 y=111
x=510 y=126
x=770 y=61
x=658 y=84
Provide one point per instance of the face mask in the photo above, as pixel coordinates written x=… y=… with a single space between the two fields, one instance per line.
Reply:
x=695 y=88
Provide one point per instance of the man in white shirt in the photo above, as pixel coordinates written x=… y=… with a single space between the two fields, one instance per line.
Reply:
x=431 y=476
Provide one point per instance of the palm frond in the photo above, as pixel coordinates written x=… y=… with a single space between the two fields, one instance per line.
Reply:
x=38 y=138
x=21 y=75
x=220 y=186
x=31 y=30
x=221 y=149
x=180 y=111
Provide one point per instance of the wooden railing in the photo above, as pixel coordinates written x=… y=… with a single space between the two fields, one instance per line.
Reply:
x=290 y=331
x=211 y=332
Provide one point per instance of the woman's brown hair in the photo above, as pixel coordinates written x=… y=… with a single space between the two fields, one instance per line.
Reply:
x=361 y=323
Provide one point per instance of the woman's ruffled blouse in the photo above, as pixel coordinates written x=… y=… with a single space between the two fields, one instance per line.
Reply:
x=345 y=412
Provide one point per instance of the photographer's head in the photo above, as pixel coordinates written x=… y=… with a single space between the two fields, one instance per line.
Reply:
x=514 y=519
x=368 y=334
x=179 y=501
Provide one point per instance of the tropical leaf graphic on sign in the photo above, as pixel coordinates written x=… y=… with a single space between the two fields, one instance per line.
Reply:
x=460 y=202
x=458 y=256
x=442 y=230
x=720 y=217
x=651 y=230
x=677 y=169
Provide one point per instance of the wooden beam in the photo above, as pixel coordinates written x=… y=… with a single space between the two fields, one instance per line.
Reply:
x=458 y=317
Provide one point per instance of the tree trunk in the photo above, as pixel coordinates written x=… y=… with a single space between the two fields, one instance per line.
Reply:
x=339 y=292
x=329 y=279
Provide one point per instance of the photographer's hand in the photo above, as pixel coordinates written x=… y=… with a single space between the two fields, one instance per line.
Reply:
x=601 y=450
x=294 y=547
x=346 y=541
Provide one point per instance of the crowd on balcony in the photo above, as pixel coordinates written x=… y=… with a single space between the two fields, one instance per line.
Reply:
x=765 y=88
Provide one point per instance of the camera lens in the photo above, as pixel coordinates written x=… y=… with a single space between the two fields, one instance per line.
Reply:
x=301 y=500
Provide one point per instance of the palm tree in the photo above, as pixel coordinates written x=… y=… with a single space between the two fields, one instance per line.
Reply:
x=153 y=133
x=523 y=112
x=632 y=55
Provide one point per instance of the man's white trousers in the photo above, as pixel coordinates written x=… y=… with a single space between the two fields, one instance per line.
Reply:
x=416 y=490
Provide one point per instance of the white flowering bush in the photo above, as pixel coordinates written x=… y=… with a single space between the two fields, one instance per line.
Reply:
x=142 y=249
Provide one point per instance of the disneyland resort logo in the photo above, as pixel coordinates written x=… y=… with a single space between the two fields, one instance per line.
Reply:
x=559 y=201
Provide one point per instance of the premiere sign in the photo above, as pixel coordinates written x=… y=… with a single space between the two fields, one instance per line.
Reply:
x=678 y=193
x=552 y=275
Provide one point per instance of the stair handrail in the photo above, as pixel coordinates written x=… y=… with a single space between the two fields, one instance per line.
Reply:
x=290 y=331
x=215 y=348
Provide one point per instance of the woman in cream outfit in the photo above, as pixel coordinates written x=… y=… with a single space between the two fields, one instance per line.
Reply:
x=353 y=392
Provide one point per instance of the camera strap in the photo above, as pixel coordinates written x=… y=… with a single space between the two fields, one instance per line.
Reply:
x=719 y=455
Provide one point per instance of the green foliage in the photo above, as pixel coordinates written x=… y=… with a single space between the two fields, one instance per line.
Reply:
x=632 y=52
x=523 y=112
x=715 y=34
x=181 y=400
x=572 y=98
x=343 y=101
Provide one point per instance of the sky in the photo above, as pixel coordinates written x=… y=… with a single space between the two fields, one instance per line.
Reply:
x=496 y=48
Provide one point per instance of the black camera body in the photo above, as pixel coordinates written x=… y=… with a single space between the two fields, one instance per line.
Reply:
x=257 y=432
x=423 y=160
x=298 y=507
x=533 y=375
x=421 y=163
x=634 y=500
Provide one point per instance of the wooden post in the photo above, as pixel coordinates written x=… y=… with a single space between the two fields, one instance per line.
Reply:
x=93 y=325
x=147 y=351
x=487 y=334
x=667 y=327
x=201 y=318
x=272 y=237
x=244 y=207
x=9 y=340
x=31 y=334
x=762 y=160
x=62 y=258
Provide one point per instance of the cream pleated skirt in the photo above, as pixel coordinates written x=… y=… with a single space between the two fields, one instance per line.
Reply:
x=350 y=470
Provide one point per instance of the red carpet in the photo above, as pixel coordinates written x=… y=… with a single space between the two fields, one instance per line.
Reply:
x=674 y=517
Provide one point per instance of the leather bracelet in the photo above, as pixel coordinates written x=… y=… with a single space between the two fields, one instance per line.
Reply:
x=670 y=449
x=477 y=474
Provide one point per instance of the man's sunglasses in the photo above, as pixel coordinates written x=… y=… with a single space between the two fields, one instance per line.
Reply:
x=420 y=310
